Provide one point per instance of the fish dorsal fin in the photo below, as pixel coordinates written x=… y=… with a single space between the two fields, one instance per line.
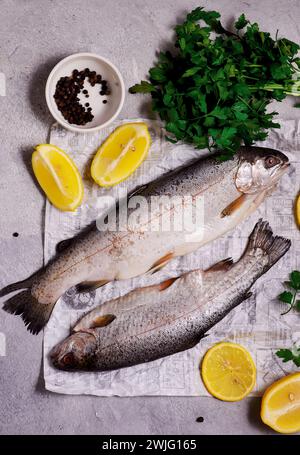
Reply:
x=87 y=286
x=221 y=266
x=102 y=321
x=167 y=283
x=233 y=206
x=160 y=263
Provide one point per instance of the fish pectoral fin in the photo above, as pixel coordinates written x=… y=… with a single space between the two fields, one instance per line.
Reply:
x=223 y=265
x=158 y=265
x=233 y=206
x=167 y=283
x=102 y=321
x=87 y=286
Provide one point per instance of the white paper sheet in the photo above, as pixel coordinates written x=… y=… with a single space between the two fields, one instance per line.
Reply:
x=256 y=323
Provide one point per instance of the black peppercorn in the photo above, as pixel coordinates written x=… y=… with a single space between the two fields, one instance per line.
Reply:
x=67 y=101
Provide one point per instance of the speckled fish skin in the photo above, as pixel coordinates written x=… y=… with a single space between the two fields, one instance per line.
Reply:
x=106 y=256
x=160 y=320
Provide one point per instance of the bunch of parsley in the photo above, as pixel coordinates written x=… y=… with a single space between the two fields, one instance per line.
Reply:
x=214 y=91
x=291 y=298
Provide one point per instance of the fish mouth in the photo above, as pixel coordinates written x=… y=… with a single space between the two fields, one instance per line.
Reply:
x=281 y=169
x=282 y=157
x=54 y=353
x=56 y=356
x=73 y=353
x=284 y=167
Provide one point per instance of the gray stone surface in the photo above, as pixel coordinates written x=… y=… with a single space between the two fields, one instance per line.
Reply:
x=34 y=35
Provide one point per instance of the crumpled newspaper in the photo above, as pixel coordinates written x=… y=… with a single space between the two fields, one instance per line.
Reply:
x=257 y=323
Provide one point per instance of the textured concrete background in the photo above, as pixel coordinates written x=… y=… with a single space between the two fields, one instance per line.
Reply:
x=34 y=35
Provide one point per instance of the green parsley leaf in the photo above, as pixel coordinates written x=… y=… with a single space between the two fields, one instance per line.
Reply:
x=226 y=137
x=219 y=112
x=167 y=100
x=295 y=280
x=290 y=297
x=241 y=22
x=199 y=14
x=143 y=87
x=191 y=71
x=286 y=297
x=287 y=355
x=182 y=43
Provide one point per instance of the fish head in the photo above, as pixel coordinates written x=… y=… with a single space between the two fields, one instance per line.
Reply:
x=259 y=169
x=75 y=352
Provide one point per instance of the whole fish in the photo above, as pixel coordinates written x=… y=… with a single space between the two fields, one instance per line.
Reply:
x=230 y=191
x=160 y=320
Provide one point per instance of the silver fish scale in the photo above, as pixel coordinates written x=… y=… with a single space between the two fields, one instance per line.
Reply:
x=159 y=308
x=178 y=318
x=120 y=255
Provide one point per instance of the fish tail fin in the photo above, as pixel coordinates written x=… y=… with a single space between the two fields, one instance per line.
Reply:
x=34 y=314
x=17 y=286
x=262 y=237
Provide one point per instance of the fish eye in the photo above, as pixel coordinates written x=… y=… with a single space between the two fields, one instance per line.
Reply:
x=271 y=161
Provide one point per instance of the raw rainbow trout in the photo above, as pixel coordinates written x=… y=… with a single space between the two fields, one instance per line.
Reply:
x=160 y=320
x=230 y=191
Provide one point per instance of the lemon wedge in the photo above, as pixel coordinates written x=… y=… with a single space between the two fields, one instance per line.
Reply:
x=297 y=210
x=280 y=407
x=228 y=371
x=121 y=153
x=58 y=176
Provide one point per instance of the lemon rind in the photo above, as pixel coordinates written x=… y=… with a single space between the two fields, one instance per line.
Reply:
x=39 y=152
x=270 y=417
x=297 y=211
x=145 y=133
x=206 y=382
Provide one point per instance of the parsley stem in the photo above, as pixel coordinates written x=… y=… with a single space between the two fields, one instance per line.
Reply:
x=198 y=118
x=263 y=104
x=245 y=102
x=272 y=87
x=250 y=77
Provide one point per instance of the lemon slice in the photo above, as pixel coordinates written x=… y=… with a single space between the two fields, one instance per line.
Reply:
x=58 y=176
x=228 y=371
x=280 y=407
x=120 y=155
x=297 y=210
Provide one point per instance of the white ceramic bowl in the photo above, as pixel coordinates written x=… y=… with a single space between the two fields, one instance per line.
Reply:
x=104 y=114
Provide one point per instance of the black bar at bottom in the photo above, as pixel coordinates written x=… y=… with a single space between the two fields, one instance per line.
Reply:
x=145 y=444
